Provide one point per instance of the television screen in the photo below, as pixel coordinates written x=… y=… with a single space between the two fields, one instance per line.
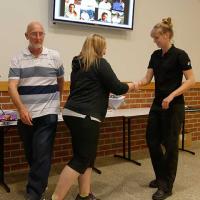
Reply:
x=110 y=13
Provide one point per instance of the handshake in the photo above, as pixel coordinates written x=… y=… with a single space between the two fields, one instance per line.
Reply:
x=134 y=85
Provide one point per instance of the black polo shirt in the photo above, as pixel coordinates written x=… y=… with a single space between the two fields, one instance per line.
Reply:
x=168 y=72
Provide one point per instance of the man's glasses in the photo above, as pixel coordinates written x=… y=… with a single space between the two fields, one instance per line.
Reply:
x=37 y=34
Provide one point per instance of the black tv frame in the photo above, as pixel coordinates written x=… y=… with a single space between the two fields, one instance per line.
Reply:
x=94 y=23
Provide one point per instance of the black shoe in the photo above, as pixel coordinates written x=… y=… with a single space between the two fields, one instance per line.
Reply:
x=89 y=197
x=92 y=197
x=78 y=197
x=153 y=184
x=28 y=197
x=160 y=194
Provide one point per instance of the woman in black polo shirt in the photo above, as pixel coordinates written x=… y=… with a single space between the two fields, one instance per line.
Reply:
x=167 y=65
x=92 y=79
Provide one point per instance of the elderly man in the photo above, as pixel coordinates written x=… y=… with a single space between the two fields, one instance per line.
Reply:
x=35 y=86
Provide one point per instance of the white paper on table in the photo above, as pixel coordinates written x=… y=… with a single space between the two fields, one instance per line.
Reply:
x=115 y=102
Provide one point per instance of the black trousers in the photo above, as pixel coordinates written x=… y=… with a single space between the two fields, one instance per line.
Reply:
x=162 y=139
x=84 y=136
x=38 y=144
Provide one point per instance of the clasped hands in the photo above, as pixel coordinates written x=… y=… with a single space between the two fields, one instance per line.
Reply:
x=134 y=85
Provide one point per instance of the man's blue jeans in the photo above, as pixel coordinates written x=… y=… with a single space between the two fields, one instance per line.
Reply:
x=38 y=145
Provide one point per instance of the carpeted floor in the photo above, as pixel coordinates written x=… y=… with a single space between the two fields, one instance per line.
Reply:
x=121 y=180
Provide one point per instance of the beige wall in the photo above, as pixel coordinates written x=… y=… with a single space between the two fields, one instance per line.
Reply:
x=128 y=51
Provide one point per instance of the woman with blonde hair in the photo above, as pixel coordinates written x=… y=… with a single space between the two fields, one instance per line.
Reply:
x=92 y=79
x=168 y=65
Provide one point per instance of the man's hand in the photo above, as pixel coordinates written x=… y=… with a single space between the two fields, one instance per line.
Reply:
x=25 y=116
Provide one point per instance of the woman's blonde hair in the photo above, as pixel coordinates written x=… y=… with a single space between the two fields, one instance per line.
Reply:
x=165 y=26
x=93 y=48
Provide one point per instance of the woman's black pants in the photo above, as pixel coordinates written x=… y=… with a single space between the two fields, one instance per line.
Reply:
x=84 y=136
x=162 y=137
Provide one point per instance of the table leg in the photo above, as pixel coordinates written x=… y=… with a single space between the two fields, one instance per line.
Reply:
x=129 y=142
x=124 y=141
x=98 y=171
x=183 y=140
x=2 y=183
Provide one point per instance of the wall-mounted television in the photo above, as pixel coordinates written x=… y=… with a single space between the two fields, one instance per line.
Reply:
x=108 y=13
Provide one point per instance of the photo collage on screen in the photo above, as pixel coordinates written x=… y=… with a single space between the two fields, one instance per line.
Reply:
x=105 y=11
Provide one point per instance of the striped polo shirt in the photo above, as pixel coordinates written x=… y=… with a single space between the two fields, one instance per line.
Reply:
x=38 y=87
